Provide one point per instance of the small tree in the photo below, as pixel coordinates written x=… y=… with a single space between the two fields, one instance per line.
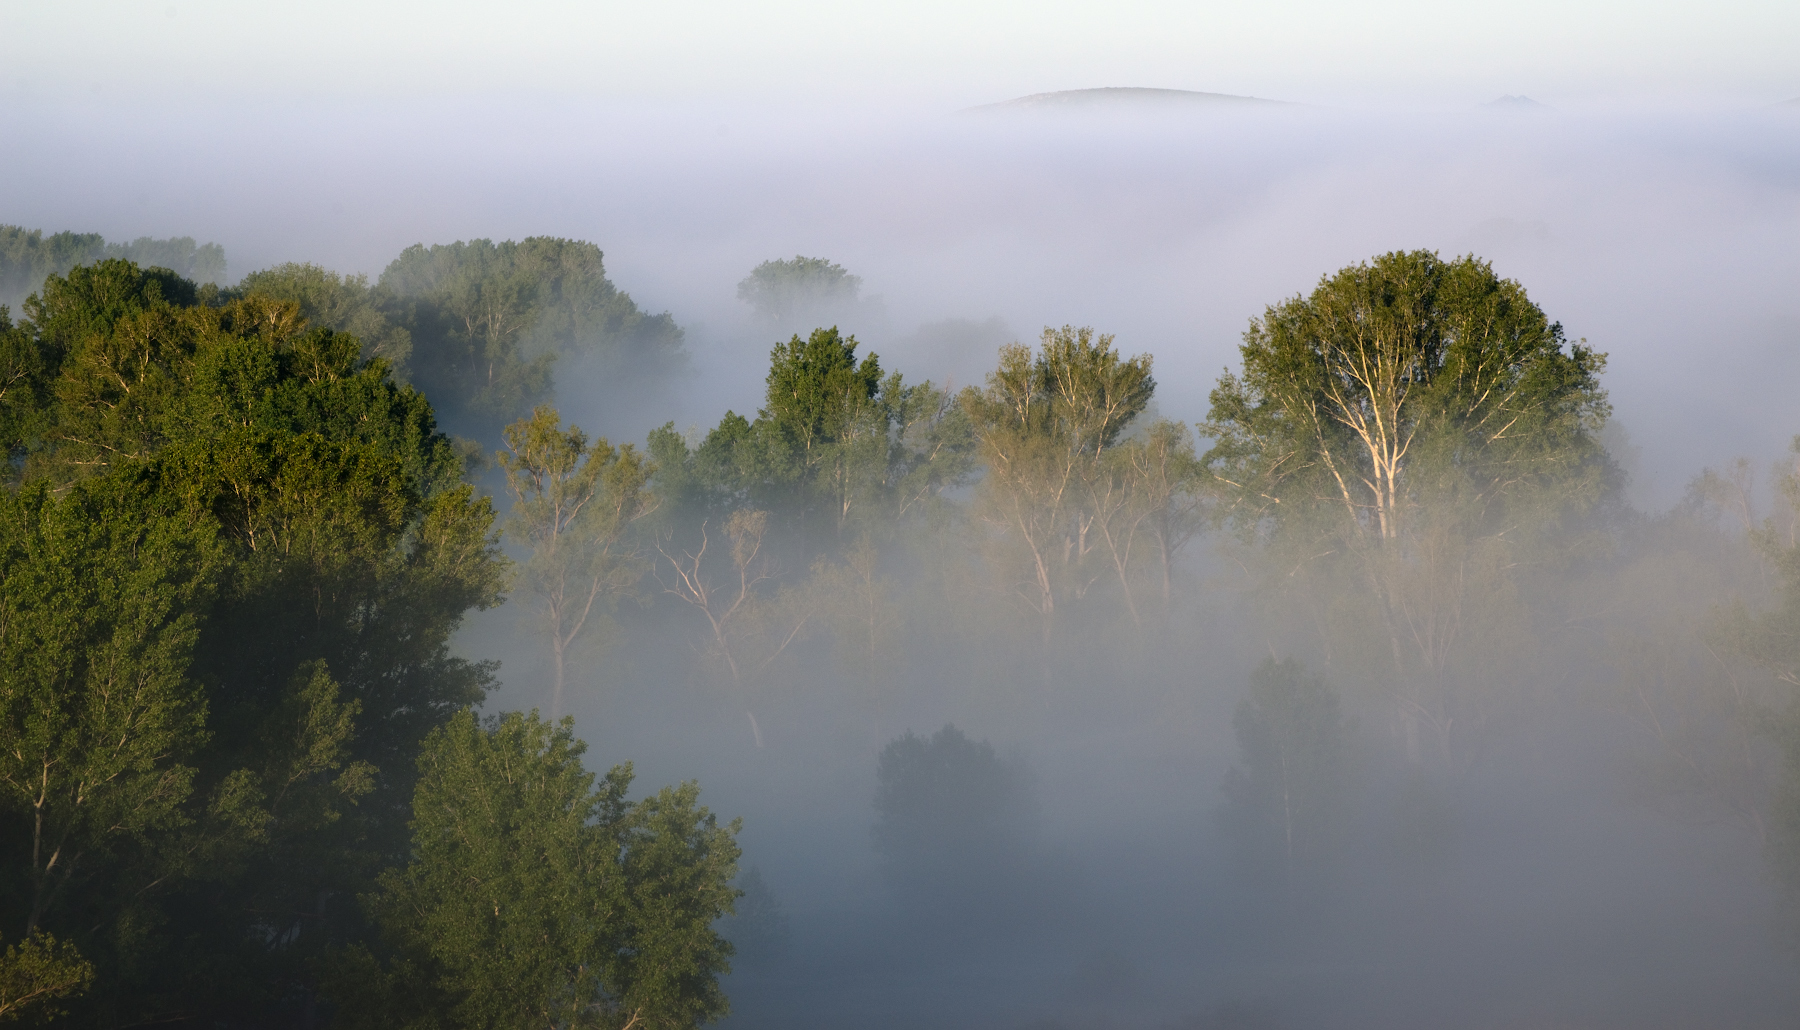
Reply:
x=574 y=504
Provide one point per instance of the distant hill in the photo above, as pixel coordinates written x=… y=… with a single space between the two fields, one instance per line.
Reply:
x=1512 y=103
x=1125 y=98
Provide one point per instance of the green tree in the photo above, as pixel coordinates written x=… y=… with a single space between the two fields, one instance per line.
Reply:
x=38 y=971
x=837 y=444
x=1045 y=425
x=98 y=713
x=574 y=505
x=1392 y=440
x=537 y=898
x=344 y=303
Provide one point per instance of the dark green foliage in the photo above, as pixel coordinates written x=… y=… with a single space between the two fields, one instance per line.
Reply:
x=100 y=601
x=535 y=898
x=283 y=546
x=837 y=445
x=1285 y=800
x=345 y=303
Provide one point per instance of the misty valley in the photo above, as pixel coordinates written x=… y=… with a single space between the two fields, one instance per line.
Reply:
x=347 y=680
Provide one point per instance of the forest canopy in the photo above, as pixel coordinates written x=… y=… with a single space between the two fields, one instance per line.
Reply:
x=249 y=774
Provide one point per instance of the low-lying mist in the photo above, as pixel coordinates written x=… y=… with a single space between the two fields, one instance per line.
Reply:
x=1595 y=854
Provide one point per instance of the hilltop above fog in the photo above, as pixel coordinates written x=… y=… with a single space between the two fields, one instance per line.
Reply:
x=1126 y=98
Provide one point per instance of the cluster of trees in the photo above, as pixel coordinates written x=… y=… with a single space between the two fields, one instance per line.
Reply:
x=233 y=736
x=479 y=326
x=241 y=773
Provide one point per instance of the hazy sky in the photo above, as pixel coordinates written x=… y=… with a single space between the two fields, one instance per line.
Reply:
x=931 y=51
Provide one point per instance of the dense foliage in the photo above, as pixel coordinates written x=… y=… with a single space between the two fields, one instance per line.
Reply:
x=233 y=555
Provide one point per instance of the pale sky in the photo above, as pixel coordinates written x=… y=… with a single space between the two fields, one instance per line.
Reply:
x=925 y=51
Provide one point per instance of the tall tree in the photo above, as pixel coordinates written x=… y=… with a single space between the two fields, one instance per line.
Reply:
x=1045 y=425
x=574 y=505
x=1769 y=641
x=1402 y=428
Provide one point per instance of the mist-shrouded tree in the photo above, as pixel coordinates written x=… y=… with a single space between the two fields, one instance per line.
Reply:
x=344 y=303
x=201 y=262
x=1397 y=443
x=951 y=814
x=28 y=257
x=490 y=321
x=783 y=292
x=537 y=897
x=750 y=620
x=758 y=929
x=575 y=504
x=1147 y=502
x=1768 y=641
x=1285 y=800
x=1045 y=426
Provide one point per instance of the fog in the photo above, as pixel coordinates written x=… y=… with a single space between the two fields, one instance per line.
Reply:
x=1570 y=895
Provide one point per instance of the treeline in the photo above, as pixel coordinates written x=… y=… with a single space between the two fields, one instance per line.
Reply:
x=28 y=257
x=476 y=325
x=243 y=783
